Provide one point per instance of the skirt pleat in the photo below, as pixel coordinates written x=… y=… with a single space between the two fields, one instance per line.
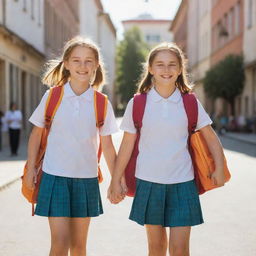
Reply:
x=68 y=197
x=168 y=205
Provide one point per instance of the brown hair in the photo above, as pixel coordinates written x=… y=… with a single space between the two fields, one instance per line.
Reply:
x=56 y=74
x=145 y=84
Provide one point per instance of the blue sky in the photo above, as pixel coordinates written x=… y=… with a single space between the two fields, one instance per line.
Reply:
x=127 y=9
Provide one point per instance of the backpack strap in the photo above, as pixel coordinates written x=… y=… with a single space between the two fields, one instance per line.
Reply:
x=52 y=104
x=191 y=108
x=139 y=104
x=100 y=108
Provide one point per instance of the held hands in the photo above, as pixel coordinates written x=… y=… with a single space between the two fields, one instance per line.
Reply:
x=117 y=191
x=30 y=178
x=218 y=177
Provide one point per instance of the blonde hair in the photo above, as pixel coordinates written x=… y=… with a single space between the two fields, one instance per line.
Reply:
x=56 y=74
x=145 y=84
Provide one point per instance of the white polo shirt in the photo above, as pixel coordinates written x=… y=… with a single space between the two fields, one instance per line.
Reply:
x=73 y=142
x=163 y=153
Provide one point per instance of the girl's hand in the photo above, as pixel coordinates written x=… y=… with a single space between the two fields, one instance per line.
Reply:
x=115 y=193
x=218 y=177
x=30 y=178
x=124 y=186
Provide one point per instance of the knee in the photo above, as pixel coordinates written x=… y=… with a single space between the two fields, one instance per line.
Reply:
x=157 y=248
x=60 y=246
x=78 y=248
x=179 y=251
x=56 y=250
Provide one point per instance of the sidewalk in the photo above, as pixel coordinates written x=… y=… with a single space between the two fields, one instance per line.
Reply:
x=243 y=137
x=11 y=168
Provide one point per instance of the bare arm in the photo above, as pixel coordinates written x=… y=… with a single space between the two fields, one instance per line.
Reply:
x=109 y=152
x=124 y=154
x=216 y=150
x=116 y=191
x=33 y=148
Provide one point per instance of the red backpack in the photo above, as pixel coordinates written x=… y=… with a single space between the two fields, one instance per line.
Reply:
x=139 y=103
x=52 y=104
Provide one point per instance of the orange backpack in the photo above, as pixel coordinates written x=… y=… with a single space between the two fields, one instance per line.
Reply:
x=52 y=104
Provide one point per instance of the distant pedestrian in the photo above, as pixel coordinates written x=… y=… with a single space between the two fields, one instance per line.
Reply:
x=166 y=194
x=69 y=192
x=13 y=118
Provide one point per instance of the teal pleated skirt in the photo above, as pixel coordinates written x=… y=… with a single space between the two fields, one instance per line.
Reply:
x=168 y=205
x=68 y=197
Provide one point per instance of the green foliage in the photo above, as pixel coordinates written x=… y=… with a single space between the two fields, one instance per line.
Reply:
x=226 y=79
x=131 y=53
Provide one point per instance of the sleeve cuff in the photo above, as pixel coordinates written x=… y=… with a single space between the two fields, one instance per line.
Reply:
x=36 y=123
x=106 y=133
x=128 y=130
x=203 y=125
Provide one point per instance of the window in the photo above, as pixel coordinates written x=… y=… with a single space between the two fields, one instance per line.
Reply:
x=230 y=23
x=24 y=5
x=219 y=38
x=32 y=9
x=156 y=38
x=39 y=13
x=250 y=12
x=214 y=38
x=47 y=20
x=225 y=27
x=237 y=18
x=153 y=38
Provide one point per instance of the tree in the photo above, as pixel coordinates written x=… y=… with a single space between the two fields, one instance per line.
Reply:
x=226 y=80
x=131 y=53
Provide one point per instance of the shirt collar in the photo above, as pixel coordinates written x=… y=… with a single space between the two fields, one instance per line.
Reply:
x=156 y=97
x=69 y=93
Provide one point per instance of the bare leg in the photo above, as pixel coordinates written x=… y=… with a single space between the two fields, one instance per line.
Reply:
x=157 y=240
x=179 y=241
x=79 y=230
x=60 y=238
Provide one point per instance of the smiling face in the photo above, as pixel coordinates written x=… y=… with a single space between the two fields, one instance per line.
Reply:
x=165 y=68
x=81 y=64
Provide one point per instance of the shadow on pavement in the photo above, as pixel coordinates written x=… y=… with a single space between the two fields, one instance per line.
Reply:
x=238 y=146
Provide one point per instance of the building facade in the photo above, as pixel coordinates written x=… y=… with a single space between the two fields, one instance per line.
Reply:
x=154 y=30
x=21 y=55
x=199 y=45
x=227 y=21
x=36 y=34
x=62 y=22
x=248 y=97
x=215 y=29
x=179 y=26
x=97 y=25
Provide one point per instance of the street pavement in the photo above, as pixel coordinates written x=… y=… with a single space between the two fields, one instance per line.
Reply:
x=229 y=214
